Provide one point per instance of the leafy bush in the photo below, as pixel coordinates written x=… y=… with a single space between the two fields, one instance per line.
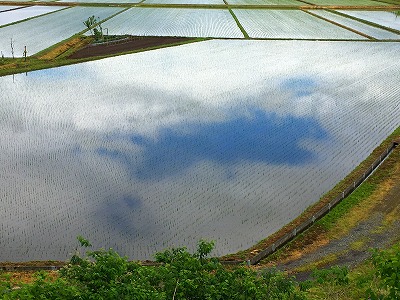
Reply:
x=337 y=275
x=387 y=263
x=105 y=274
x=42 y=288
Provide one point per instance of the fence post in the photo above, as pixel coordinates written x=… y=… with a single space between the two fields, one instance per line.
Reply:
x=288 y=237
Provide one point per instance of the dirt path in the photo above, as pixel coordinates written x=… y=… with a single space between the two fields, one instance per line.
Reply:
x=378 y=226
x=126 y=45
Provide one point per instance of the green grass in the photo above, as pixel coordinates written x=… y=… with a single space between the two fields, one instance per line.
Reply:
x=348 y=2
x=366 y=22
x=238 y=24
x=333 y=220
x=359 y=195
x=362 y=280
x=31 y=18
x=19 y=65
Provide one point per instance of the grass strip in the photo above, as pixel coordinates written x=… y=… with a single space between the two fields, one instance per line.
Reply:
x=51 y=48
x=340 y=25
x=9 y=66
x=336 y=225
x=365 y=21
x=312 y=233
x=34 y=17
x=246 y=36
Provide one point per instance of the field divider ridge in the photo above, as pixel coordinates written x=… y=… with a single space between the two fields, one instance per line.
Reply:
x=245 y=34
x=364 y=21
x=38 y=54
x=340 y=25
x=33 y=17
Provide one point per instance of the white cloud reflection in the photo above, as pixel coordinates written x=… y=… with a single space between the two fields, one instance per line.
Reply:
x=83 y=146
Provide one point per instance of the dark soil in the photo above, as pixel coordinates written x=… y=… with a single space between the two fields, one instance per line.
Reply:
x=127 y=45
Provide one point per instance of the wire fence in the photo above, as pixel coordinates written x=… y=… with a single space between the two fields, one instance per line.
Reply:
x=324 y=210
x=276 y=245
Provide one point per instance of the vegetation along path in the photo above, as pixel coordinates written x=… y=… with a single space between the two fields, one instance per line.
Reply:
x=369 y=218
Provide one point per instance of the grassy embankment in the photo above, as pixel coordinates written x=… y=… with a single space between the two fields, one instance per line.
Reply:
x=358 y=206
x=58 y=55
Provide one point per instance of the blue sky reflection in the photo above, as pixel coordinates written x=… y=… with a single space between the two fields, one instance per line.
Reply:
x=116 y=212
x=299 y=86
x=258 y=137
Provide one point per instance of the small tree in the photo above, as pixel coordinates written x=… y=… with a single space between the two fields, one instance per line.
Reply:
x=95 y=30
x=89 y=23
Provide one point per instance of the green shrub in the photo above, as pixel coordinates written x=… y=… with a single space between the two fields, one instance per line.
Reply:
x=387 y=264
x=337 y=275
x=104 y=274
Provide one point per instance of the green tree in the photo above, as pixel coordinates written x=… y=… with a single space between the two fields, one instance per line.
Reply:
x=89 y=23
x=104 y=274
x=94 y=27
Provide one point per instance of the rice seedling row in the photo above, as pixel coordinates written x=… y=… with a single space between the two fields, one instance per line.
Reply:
x=374 y=32
x=19 y=1
x=384 y=18
x=49 y=29
x=189 y=2
x=174 y=22
x=101 y=1
x=348 y=2
x=149 y=158
x=7 y=7
x=265 y=2
x=12 y=16
x=289 y=24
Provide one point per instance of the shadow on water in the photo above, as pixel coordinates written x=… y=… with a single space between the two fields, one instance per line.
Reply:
x=257 y=137
x=116 y=212
x=299 y=86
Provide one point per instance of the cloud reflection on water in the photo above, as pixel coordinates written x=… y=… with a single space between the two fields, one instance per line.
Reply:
x=161 y=148
x=300 y=86
x=259 y=137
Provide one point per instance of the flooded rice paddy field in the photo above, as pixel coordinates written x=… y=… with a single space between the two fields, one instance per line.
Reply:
x=40 y=27
x=227 y=140
x=222 y=140
x=10 y=14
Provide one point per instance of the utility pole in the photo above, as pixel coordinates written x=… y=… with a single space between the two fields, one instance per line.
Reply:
x=12 y=47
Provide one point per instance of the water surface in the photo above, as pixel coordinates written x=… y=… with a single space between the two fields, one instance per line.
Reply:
x=223 y=140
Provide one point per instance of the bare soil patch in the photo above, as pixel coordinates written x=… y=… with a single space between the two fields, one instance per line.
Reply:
x=127 y=45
